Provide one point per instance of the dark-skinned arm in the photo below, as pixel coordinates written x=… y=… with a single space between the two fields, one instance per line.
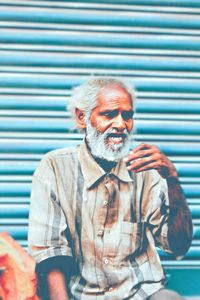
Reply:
x=146 y=157
x=56 y=285
x=54 y=274
x=180 y=220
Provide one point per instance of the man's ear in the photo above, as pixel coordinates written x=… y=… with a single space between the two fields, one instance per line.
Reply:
x=80 y=118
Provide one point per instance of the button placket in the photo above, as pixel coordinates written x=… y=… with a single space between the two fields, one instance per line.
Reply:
x=110 y=188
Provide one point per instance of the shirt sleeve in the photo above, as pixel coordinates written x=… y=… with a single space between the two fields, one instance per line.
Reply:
x=157 y=207
x=47 y=222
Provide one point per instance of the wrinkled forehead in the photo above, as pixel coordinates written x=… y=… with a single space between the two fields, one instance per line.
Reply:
x=112 y=94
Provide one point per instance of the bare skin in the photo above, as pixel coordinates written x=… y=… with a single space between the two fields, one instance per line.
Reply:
x=57 y=287
x=146 y=157
x=113 y=110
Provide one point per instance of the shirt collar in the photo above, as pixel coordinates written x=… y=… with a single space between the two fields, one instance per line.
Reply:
x=93 y=173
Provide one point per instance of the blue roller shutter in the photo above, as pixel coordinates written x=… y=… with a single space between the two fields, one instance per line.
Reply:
x=48 y=47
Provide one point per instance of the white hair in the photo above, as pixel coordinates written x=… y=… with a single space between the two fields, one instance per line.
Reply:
x=84 y=97
x=99 y=147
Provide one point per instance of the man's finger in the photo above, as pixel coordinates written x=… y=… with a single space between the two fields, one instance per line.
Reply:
x=138 y=154
x=134 y=165
x=146 y=167
x=142 y=146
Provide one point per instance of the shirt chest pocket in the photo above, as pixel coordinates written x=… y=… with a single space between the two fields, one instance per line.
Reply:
x=133 y=239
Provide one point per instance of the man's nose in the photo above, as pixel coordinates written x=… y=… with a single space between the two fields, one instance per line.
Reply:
x=119 y=123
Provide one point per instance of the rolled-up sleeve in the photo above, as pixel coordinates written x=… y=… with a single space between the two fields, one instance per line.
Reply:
x=47 y=222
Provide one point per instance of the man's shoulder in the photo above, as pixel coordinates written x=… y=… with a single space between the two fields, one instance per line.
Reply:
x=61 y=152
x=62 y=158
x=59 y=159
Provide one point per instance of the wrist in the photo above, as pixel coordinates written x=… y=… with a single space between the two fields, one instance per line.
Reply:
x=173 y=182
x=172 y=179
x=168 y=172
x=172 y=174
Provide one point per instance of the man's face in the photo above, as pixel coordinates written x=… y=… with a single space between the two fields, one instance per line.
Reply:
x=110 y=124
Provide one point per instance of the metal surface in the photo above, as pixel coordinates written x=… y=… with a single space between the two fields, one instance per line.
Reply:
x=48 y=47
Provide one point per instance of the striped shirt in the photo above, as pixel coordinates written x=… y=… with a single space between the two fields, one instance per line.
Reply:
x=110 y=223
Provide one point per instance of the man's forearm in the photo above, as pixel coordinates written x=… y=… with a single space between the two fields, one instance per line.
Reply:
x=56 y=286
x=54 y=274
x=180 y=221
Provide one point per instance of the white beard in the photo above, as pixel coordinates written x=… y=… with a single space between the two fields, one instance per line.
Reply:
x=99 y=147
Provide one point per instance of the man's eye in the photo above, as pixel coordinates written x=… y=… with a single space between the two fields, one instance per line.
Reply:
x=111 y=114
x=127 y=115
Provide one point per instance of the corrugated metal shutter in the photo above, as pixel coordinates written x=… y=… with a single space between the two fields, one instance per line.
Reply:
x=47 y=47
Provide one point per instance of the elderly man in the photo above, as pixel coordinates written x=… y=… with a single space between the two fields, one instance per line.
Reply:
x=98 y=211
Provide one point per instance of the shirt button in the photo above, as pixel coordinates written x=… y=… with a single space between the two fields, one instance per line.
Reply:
x=100 y=232
x=111 y=176
x=106 y=261
x=105 y=203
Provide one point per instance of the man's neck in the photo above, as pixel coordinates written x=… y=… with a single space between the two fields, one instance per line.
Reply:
x=103 y=163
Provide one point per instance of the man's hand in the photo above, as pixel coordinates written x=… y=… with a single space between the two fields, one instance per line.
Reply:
x=146 y=157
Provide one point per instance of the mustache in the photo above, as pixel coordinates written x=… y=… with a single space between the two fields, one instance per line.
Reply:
x=98 y=142
x=115 y=133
